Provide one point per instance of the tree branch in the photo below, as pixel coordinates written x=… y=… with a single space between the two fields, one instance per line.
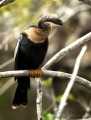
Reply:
x=67 y=50
x=87 y=113
x=6 y=63
x=70 y=84
x=5 y=2
x=39 y=99
x=87 y=1
x=52 y=74
x=54 y=59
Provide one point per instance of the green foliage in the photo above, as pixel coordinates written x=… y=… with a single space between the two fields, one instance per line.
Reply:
x=70 y=97
x=47 y=83
x=18 y=10
x=26 y=11
x=48 y=116
x=58 y=2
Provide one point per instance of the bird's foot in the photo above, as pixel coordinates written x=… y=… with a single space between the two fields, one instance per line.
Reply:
x=36 y=73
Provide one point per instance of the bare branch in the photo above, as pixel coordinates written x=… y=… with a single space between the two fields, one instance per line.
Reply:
x=5 y=42
x=6 y=63
x=52 y=74
x=54 y=59
x=39 y=99
x=67 y=50
x=14 y=73
x=5 y=2
x=70 y=84
x=66 y=16
x=87 y=1
x=63 y=75
x=87 y=113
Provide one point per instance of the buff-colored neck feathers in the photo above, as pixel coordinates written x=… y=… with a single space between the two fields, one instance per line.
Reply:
x=37 y=35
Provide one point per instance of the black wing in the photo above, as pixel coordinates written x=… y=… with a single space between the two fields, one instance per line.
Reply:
x=16 y=53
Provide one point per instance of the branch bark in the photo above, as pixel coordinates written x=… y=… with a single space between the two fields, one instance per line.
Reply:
x=5 y=2
x=52 y=74
x=39 y=99
x=67 y=50
x=6 y=63
x=70 y=84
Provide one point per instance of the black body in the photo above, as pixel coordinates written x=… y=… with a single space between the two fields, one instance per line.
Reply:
x=28 y=55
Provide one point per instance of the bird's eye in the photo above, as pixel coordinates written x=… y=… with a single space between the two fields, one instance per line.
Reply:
x=61 y=22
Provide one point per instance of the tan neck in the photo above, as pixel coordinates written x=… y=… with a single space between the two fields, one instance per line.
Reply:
x=37 y=35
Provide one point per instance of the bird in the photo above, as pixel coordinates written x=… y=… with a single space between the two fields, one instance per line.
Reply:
x=30 y=51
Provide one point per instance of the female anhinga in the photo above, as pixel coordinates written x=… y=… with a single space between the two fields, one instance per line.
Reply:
x=30 y=51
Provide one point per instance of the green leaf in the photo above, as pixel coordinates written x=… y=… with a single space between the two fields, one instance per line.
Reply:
x=58 y=98
x=47 y=82
x=70 y=97
x=48 y=116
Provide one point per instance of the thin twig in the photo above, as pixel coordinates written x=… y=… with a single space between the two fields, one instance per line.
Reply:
x=67 y=50
x=62 y=53
x=86 y=1
x=88 y=109
x=66 y=16
x=82 y=101
x=70 y=84
x=63 y=75
x=5 y=41
x=5 y=2
x=6 y=63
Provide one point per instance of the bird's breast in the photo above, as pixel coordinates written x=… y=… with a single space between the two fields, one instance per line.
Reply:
x=36 y=35
x=32 y=54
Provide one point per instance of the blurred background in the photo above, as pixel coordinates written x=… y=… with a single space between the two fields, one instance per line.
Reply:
x=14 y=19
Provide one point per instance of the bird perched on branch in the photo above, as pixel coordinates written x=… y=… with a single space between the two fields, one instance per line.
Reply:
x=29 y=53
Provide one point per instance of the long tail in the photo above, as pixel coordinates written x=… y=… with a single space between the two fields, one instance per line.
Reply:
x=20 y=97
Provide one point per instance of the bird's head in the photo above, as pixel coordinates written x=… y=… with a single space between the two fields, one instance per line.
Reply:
x=51 y=18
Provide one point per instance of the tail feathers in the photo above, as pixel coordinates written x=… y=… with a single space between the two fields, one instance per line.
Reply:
x=20 y=97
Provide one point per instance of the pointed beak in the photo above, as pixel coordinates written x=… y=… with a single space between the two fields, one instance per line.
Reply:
x=66 y=26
